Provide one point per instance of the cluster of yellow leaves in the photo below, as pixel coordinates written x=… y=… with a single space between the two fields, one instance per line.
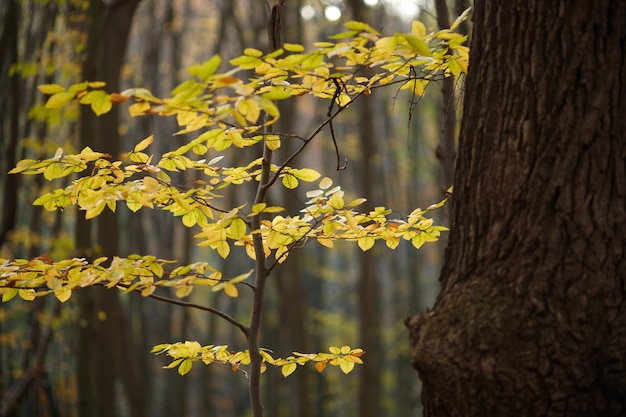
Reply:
x=327 y=218
x=184 y=354
x=41 y=276
x=112 y=181
x=233 y=107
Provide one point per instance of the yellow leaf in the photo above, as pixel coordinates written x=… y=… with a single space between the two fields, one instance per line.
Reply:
x=306 y=174
x=22 y=165
x=148 y=291
x=53 y=171
x=150 y=184
x=392 y=242
x=8 y=294
x=252 y=52
x=288 y=369
x=189 y=219
x=59 y=100
x=139 y=109
x=185 y=366
x=133 y=205
x=325 y=242
x=222 y=248
x=281 y=254
x=418 y=45
x=417 y=86
x=231 y=290
x=267 y=357
x=461 y=18
x=419 y=240
x=336 y=201
x=143 y=144
x=63 y=294
x=96 y=84
x=293 y=47
x=27 y=294
x=346 y=367
x=272 y=142
x=418 y=29
x=325 y=183
x=237 y=228
x=51 y=88
x=182 y=292
x=95 y=210
x=207 y=69
x=366 y=243
x=99 y=100
x=241 y=277
x=249 y=109
x=289 y=181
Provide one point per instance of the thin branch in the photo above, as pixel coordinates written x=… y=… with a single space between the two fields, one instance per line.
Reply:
x=332 y=128
x=211 y=310
x=308 y=140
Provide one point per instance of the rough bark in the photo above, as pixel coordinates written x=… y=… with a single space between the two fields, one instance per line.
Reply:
x=531 y=319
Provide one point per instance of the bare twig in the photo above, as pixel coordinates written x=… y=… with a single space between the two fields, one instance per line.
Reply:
x=211 y=310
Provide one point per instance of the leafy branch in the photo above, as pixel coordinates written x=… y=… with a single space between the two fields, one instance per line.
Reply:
x=230 y=111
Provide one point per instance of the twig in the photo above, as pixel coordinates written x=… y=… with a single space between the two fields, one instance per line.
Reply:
x=211 y=310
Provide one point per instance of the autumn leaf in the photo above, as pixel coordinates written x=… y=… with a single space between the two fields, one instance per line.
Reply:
x=288 y=369
x=59 y=100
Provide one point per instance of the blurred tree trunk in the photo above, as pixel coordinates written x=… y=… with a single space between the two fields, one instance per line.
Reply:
x=446 y=151
x=368 y=287
x=103 y=342
x=10 y=106
x=531 y=318
x=291 y=326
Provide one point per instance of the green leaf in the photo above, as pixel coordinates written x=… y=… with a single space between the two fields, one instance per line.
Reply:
x=419 y=45
x=206 y=69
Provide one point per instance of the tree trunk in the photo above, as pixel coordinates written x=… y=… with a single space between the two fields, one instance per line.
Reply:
x=531 y=318
x=103 y=339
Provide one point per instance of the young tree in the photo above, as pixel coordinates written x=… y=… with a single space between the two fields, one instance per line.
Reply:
x=531 y=318
x=235 y=108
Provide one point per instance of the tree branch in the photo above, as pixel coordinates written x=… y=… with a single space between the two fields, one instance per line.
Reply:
x=211 y=310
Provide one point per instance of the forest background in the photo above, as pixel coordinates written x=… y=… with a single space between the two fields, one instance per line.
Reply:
x=396 y=149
